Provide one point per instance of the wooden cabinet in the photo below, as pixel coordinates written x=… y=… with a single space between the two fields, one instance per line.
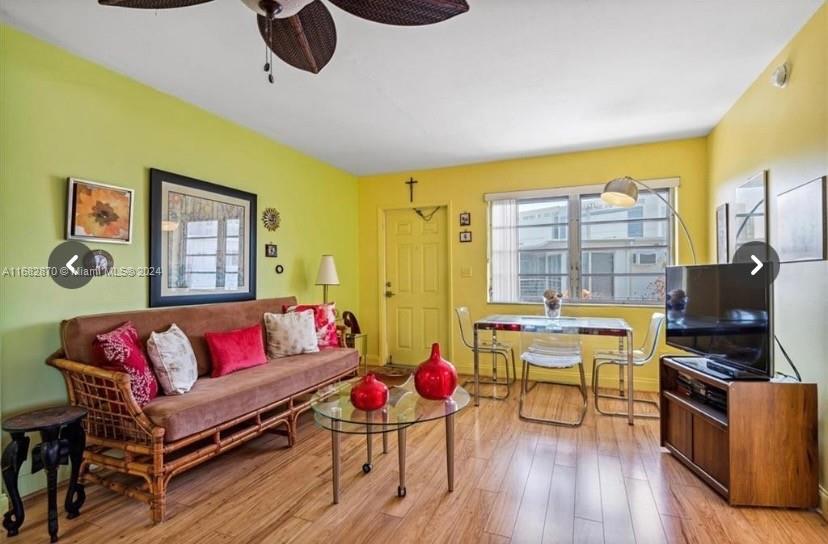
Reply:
x=758 y=450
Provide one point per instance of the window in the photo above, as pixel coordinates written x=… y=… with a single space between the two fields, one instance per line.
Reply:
x=572 y=242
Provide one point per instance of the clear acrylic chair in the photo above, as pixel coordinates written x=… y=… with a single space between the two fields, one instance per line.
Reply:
x=495 y=348
x=557 y=351
x=641 y=356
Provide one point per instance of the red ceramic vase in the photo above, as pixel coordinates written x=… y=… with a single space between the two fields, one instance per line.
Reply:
x=369 y=394
x=436 y=378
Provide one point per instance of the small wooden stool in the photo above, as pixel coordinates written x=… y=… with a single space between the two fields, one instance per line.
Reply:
x=62 y=440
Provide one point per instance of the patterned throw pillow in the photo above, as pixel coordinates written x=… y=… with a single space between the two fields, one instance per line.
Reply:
x=121 y=350
x=324 y=316
x=173 y=360
x=290 y=334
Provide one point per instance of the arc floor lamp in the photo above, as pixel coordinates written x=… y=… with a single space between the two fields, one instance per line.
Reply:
x=623 y=193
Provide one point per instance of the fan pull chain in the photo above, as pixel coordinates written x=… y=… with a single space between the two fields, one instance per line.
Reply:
x=268 y=66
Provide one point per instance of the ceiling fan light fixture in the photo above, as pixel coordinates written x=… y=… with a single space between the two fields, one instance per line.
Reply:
x=281 y=9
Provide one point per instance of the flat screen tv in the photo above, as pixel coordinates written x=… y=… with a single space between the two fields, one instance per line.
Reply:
x=723 y=313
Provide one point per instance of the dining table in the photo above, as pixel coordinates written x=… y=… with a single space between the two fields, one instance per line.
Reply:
x=597 y=326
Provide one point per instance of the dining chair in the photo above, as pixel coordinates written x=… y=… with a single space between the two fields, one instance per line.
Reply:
x=557 y=352
x=495 y=347
x=641 y=356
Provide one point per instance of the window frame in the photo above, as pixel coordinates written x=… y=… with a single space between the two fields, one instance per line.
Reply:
x=574 y=247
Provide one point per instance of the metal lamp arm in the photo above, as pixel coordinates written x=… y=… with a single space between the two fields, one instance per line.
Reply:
x=675 y=212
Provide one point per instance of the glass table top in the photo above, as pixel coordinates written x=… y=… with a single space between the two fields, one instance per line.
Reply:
x=332 y=408
x=561 y=325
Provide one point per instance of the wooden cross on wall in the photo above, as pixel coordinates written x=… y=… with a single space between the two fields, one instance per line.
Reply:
x=411 y=182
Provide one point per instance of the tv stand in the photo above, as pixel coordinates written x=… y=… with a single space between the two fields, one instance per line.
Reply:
x=753 y=442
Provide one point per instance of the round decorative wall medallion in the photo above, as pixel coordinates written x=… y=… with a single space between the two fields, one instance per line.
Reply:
x=271 y=218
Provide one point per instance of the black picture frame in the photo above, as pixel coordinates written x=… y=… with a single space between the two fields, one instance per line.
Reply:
x=271 y=250
x=465 y=236
x=465 y=219
x=156 y=298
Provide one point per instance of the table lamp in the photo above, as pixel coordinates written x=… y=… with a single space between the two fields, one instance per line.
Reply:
x=327 y=275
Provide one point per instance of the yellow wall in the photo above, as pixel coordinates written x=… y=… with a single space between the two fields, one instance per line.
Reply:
x=462 y=189
x=63 y=116
x=785 y=131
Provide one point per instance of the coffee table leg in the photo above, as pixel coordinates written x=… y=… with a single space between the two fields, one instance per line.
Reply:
x=401 y=451
x=335 y=463
x=366 y=468
x=75 y=494
x=385 y=430
x=450 y=450
x=13 y=458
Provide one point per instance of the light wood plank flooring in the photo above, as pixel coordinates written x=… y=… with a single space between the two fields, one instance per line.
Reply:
x=515 y=482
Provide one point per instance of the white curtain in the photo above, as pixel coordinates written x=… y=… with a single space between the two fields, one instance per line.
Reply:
x=504 y=251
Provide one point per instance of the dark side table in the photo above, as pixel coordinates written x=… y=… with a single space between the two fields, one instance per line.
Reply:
x=62 y=439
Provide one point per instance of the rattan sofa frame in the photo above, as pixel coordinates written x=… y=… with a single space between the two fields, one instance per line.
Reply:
x=121 y=439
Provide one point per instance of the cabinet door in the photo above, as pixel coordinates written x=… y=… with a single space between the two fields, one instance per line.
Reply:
x=679 y=428
x=710 y=449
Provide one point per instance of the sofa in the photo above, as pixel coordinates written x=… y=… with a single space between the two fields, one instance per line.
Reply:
x=174 y=433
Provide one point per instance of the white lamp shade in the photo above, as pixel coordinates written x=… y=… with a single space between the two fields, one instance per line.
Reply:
x=327 y=271
x=621 y=192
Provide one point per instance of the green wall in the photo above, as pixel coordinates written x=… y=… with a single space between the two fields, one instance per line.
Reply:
x=63 y=116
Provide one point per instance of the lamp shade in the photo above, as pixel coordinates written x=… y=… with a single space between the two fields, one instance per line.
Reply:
x=621 y=192
x=327 y=271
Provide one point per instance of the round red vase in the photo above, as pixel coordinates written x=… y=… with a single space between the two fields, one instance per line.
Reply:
x=436 y=378
x=369 y=394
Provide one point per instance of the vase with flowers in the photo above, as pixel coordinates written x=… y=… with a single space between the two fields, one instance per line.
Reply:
x=552 y=302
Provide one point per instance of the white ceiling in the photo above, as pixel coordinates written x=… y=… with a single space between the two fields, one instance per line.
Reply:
x=510 y=78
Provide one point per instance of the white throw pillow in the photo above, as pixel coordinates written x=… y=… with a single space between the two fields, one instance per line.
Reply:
x=290 y=334
x=173 y=360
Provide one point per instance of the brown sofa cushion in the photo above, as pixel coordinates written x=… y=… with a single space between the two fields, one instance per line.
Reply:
x=77 y=333
x=213 y=401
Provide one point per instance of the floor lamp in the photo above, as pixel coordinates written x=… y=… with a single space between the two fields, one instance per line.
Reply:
x=623 y=193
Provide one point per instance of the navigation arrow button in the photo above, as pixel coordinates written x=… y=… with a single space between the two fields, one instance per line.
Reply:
x=759 y=265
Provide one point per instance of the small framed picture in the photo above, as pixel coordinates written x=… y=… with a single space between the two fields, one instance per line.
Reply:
x=465 y=236
x=97 y=212
x=271 y=250
x=465 y=219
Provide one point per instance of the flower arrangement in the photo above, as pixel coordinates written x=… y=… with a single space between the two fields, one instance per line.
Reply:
x=552 y=302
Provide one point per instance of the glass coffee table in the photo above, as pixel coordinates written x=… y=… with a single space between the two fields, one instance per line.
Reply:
x=332 y=410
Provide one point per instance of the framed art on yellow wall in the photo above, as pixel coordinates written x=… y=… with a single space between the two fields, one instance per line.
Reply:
x=97 y=212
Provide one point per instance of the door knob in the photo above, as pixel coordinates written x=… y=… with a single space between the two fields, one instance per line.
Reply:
x=389 y=294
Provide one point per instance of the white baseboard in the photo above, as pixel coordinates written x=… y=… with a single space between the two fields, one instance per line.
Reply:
x=823 y=502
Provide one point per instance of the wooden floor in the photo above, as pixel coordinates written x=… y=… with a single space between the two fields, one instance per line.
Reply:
x=516 y=482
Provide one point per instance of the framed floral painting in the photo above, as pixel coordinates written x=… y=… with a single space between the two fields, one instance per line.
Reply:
x=97 y=212
x=202 y=241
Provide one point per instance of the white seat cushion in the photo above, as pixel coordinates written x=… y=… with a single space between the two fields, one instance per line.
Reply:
x=621 y=356
x=549 y=360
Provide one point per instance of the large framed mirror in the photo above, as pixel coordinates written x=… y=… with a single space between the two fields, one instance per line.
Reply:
x=202 y=240
x=749 y=212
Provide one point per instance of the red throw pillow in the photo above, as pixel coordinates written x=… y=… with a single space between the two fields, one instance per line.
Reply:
x=235 y=350
x=324 y=317
x=120 y=349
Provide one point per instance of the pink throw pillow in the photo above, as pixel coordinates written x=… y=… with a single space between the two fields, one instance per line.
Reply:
x=120 y=349
x=324 y=317
x=235 y=350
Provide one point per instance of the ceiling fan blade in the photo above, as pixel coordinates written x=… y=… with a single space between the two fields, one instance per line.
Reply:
x=404 y=12
x=152 y=4
x=306 y=40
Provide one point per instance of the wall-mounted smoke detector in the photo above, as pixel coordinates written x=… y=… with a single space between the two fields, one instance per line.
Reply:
x=781 y=76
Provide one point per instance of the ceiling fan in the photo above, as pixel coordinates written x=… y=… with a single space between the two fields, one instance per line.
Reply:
x=302 y=32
